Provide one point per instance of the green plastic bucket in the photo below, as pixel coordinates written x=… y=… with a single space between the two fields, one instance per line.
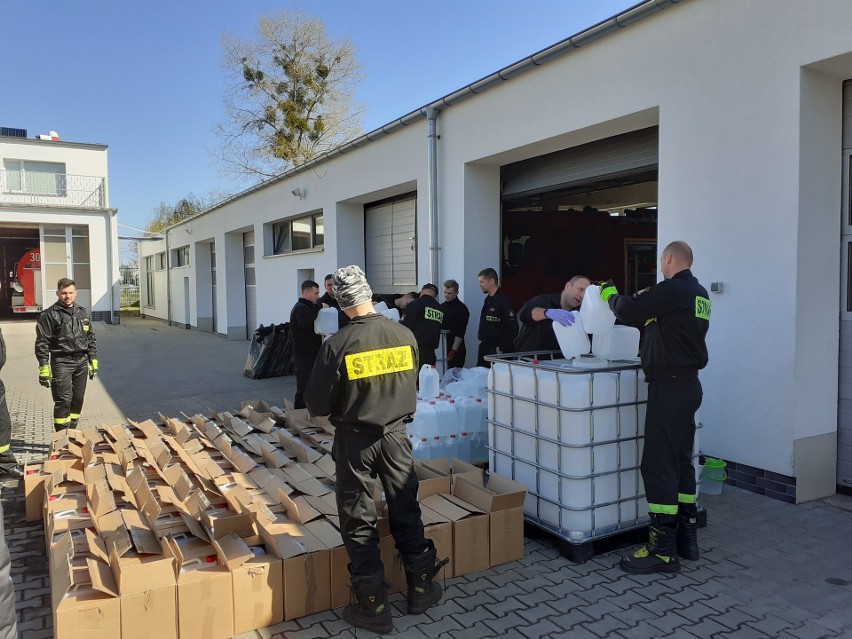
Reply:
x=714 y=473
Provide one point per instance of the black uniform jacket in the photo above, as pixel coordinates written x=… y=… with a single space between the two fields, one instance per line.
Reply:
x=497 y=322
x=538 y=336
x=62 y=331
x=306 y=343
x=2 y=351
x=676 y=316
x=365 y=375
x=456 y=317
x=425 y=317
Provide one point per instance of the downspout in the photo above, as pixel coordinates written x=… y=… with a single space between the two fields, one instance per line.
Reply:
x=111 y=265
x=432 y=147
x=168 y=282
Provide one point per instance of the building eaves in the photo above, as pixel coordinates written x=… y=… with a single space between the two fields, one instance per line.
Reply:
x=591 y=34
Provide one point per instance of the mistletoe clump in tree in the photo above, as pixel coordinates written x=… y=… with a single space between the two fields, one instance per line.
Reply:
x=291 y=97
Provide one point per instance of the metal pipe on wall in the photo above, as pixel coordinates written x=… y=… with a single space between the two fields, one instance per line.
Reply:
x=432 y=150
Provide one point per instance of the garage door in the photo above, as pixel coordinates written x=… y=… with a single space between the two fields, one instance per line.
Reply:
x=844 y=404
x=390 y=245
x=613 y=157
x=251 y=284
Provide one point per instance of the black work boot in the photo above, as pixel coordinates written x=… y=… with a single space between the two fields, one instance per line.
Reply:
x=9 y=468
x=420 y=570
x=687 y=532
x=660 y=555
x=370 y=610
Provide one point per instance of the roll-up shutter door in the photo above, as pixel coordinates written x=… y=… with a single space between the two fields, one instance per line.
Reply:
x=844 y=403
x=390 y=245
x=251 y=286
x=612 y=157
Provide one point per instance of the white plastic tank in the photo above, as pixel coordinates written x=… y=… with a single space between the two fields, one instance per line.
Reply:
x=429 y=382
x=594 y=312
x=620 y=342
x=465 y=450
x=426 y=419
x=573 y=340
x=422 y=448
x=326 y=322
x=446 y=417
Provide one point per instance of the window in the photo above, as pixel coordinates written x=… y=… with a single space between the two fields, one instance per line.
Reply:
x=298 y=234
x=43 y=178
x=161 y=261
x=180 y=256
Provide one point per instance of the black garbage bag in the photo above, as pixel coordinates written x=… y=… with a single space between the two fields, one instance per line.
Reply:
x=280 y=360
x=261 y=345
x=270 y=353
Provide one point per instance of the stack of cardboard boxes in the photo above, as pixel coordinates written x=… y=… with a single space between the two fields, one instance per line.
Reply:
x=213 y=526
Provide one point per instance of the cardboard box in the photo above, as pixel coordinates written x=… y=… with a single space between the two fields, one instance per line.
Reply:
x=307 y=566
x=84 y=595
x=431 y=481
x=456 y=468
x=471 y=546
x=258 y=587
x=439 y=529
x=205 y=597
x=503 y=500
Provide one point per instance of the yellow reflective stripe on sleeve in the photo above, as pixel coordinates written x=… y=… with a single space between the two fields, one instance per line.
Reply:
x=702 y=307
x=379 y=362
x=662 y=509
x=4 y=449
x=434 y=314
x=683 y=498
x=74 y=416
x=649 y=321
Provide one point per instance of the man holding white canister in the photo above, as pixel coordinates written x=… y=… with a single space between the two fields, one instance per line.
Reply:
x=676 y=316
x=538 y=314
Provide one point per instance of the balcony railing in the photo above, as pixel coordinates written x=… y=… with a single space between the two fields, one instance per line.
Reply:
x=52 y=189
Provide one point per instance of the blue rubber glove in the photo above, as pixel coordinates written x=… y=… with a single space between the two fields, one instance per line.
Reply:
x=565 y=318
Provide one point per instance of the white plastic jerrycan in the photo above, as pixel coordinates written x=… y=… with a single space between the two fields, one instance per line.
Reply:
x=620 y=342
x=326 y=322
x=595 y=313
x=573 y=340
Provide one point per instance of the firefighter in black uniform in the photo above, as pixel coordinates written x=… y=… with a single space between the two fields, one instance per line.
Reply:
x=425 y=318
x=306 y=343
x=67 y=354
x=539 y=313
x=456 y=318
x=364 y=378
x=498 y=326
x=8 y=464
x=676 y=316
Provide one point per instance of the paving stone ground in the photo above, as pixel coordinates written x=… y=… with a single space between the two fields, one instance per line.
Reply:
x=768 y=569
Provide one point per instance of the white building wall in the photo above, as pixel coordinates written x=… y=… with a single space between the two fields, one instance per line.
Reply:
x=747 y=98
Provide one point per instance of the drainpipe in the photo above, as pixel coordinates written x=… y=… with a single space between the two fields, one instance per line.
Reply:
x=112 y=231
x=432 y=145
x=168 y=282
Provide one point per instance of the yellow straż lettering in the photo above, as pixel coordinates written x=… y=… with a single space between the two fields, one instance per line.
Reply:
x=379 y=362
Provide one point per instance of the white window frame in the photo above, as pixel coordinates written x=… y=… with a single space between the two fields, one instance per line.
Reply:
x=277 y=247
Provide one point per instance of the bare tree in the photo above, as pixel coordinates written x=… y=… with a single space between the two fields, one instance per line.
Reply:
x=291 y=97
x=165 y=215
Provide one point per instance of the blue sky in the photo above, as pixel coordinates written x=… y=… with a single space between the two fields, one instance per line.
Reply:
x=146 y=78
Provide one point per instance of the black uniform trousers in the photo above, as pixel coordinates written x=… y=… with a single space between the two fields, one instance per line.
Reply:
x=427 y=354
x=5 y=423
x=486 y=348
x=302 y=367
x=68 y=386
x=361 y=457
x=667 y=469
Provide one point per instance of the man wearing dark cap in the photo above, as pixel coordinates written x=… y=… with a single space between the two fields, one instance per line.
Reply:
x=425 y=317
x=364 y=379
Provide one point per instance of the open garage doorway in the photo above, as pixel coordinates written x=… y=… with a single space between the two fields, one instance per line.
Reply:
x=590 y=210
x=21 y=294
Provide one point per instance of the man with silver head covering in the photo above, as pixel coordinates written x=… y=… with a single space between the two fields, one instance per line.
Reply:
x=364 y=378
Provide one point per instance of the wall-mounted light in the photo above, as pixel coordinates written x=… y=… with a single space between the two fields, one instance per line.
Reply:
x=299 y=193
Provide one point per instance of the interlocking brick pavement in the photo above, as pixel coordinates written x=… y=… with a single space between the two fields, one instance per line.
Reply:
x=768 y=569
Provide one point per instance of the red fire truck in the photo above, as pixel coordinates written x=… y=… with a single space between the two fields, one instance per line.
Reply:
x=26 y=283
